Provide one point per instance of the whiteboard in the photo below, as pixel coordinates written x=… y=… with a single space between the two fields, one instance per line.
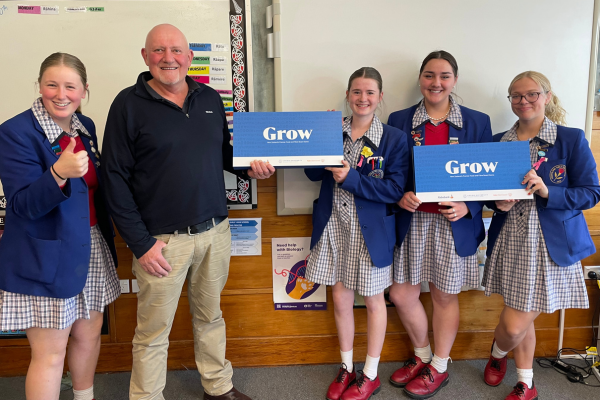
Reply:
x=323 y=42
x=108 y=42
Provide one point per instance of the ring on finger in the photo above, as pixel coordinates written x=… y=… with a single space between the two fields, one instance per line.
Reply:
x=454 y=215
x=453 y=210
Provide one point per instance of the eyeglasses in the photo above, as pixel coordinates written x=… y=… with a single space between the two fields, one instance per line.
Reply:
x=530 y=97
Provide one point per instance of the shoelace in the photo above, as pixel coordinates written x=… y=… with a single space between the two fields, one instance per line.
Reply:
x=411 y=362
x=342 y=374
x=361 y=380
x=426 y=373
x=496 y=364
x=519 y=390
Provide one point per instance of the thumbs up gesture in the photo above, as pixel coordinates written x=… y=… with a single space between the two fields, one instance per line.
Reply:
x=71 y=164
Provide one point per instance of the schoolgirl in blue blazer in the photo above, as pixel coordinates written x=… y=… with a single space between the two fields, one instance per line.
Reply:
x=352 y=244
x=535 y=245
x=436 y=242
x=57 y=256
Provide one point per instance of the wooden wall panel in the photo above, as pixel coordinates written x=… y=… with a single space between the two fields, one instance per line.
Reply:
x=478 y=313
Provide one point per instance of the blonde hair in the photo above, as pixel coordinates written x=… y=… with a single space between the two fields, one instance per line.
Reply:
x=554 y=110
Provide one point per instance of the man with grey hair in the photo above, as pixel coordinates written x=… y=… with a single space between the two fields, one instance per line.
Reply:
x=165 y=146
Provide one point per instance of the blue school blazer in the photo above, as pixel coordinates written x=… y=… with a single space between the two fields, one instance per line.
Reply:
x=45 y=249
x=468 y=231
x=574 y=189
x=374 y=197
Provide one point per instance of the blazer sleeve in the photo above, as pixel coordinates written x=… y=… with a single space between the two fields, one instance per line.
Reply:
x=314 y=174
x=485 y=136
x=29 y=186
x=583 y=191
x=386 y=190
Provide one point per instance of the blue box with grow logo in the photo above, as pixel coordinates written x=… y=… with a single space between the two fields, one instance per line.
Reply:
x=468 y=172
x=288 y=139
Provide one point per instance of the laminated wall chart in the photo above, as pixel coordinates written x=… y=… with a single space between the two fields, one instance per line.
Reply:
x=216 y=30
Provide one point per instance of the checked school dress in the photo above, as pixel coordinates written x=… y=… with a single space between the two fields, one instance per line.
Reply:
x=520 y=267
x=427 y=253
x=341 y=254
x=21 y=311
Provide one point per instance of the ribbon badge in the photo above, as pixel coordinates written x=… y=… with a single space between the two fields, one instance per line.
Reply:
x=539 y=162
x=558 y=174
x=366 y=152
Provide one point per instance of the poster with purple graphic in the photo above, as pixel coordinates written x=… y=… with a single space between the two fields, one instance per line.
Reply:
x=291 y=289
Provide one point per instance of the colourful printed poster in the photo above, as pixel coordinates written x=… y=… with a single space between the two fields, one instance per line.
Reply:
x=291 y=290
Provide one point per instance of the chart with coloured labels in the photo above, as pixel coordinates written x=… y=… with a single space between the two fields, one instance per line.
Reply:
x=211 y=66
x=246 y=237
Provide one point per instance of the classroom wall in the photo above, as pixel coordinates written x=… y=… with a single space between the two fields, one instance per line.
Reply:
x=258 y=335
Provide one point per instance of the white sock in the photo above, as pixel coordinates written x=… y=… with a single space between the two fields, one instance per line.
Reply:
x=497 y=353
x=87 y=394
x=424 y=353
x=525 y=376
x=440 y=364
x=347 y=359
x=370 y=368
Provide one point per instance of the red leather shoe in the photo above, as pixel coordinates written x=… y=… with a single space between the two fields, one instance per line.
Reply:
x=427 y=383
x=495 y=369
x=407 y=372
x=522 y=392
x=362 y=389
x=341 y=383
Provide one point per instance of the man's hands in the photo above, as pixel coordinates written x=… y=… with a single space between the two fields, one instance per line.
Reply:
x=260 y=170
x=153 y=261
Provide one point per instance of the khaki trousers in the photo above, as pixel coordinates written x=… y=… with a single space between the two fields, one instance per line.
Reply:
x=204 y=260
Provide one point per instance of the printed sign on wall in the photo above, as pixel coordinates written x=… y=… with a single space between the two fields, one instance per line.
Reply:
x=291 y=289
